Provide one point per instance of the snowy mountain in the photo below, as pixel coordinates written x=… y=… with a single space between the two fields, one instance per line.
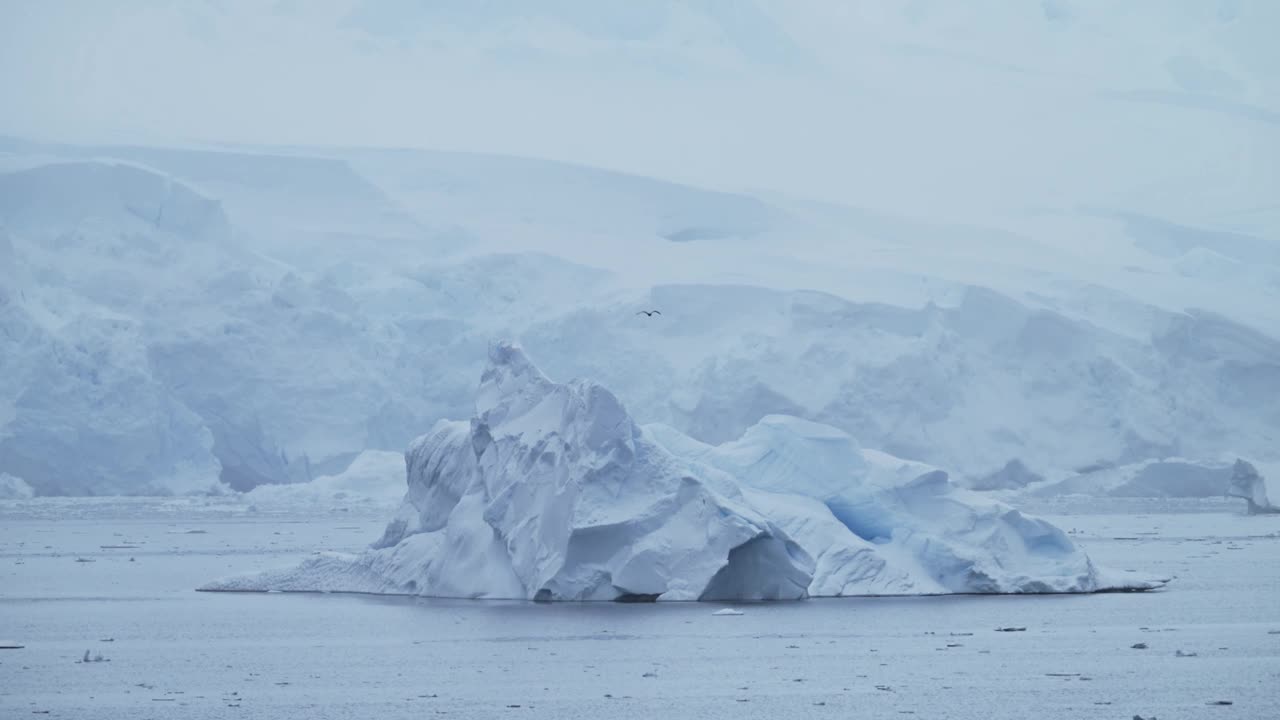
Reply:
x=177 y=320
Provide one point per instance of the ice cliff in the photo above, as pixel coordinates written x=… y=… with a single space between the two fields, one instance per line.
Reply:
x=552 y=492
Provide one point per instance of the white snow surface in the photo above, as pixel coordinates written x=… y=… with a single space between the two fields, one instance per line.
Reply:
x=552 y=492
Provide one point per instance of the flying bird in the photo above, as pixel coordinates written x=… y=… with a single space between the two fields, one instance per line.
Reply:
x=649 y=313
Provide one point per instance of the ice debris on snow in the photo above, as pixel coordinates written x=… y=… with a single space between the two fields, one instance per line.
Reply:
x=552 y=492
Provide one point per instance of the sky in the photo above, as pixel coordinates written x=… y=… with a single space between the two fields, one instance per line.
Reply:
x=958 y=109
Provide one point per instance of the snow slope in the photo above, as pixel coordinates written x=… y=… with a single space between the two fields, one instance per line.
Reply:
x=552 y=492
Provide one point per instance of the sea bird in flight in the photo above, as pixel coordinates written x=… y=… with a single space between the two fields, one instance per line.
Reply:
x=649 y=313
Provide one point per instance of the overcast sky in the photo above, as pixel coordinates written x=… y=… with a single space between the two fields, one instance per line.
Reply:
x=958 y=107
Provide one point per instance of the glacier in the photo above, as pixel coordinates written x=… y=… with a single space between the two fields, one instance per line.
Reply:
x=192 y=321
x=552 y=492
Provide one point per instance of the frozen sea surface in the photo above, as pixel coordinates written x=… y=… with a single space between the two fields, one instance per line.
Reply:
x=115 y=577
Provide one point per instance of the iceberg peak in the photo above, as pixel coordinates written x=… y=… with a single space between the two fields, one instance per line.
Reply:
x=510 y=375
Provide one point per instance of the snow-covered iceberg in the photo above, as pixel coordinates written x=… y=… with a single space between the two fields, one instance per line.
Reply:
x=552 y=492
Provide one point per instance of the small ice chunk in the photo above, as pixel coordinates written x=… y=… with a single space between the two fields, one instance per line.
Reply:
x=727 y=611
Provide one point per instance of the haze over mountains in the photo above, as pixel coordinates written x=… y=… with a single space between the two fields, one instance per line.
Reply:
x=960 y=109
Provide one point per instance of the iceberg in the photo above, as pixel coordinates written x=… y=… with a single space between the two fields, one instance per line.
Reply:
x=882 y=525
x=1167 y=478
x=1248 y=484
x=552 y=492
x=1015 y=475
x=374 y=478
x=14 y=488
